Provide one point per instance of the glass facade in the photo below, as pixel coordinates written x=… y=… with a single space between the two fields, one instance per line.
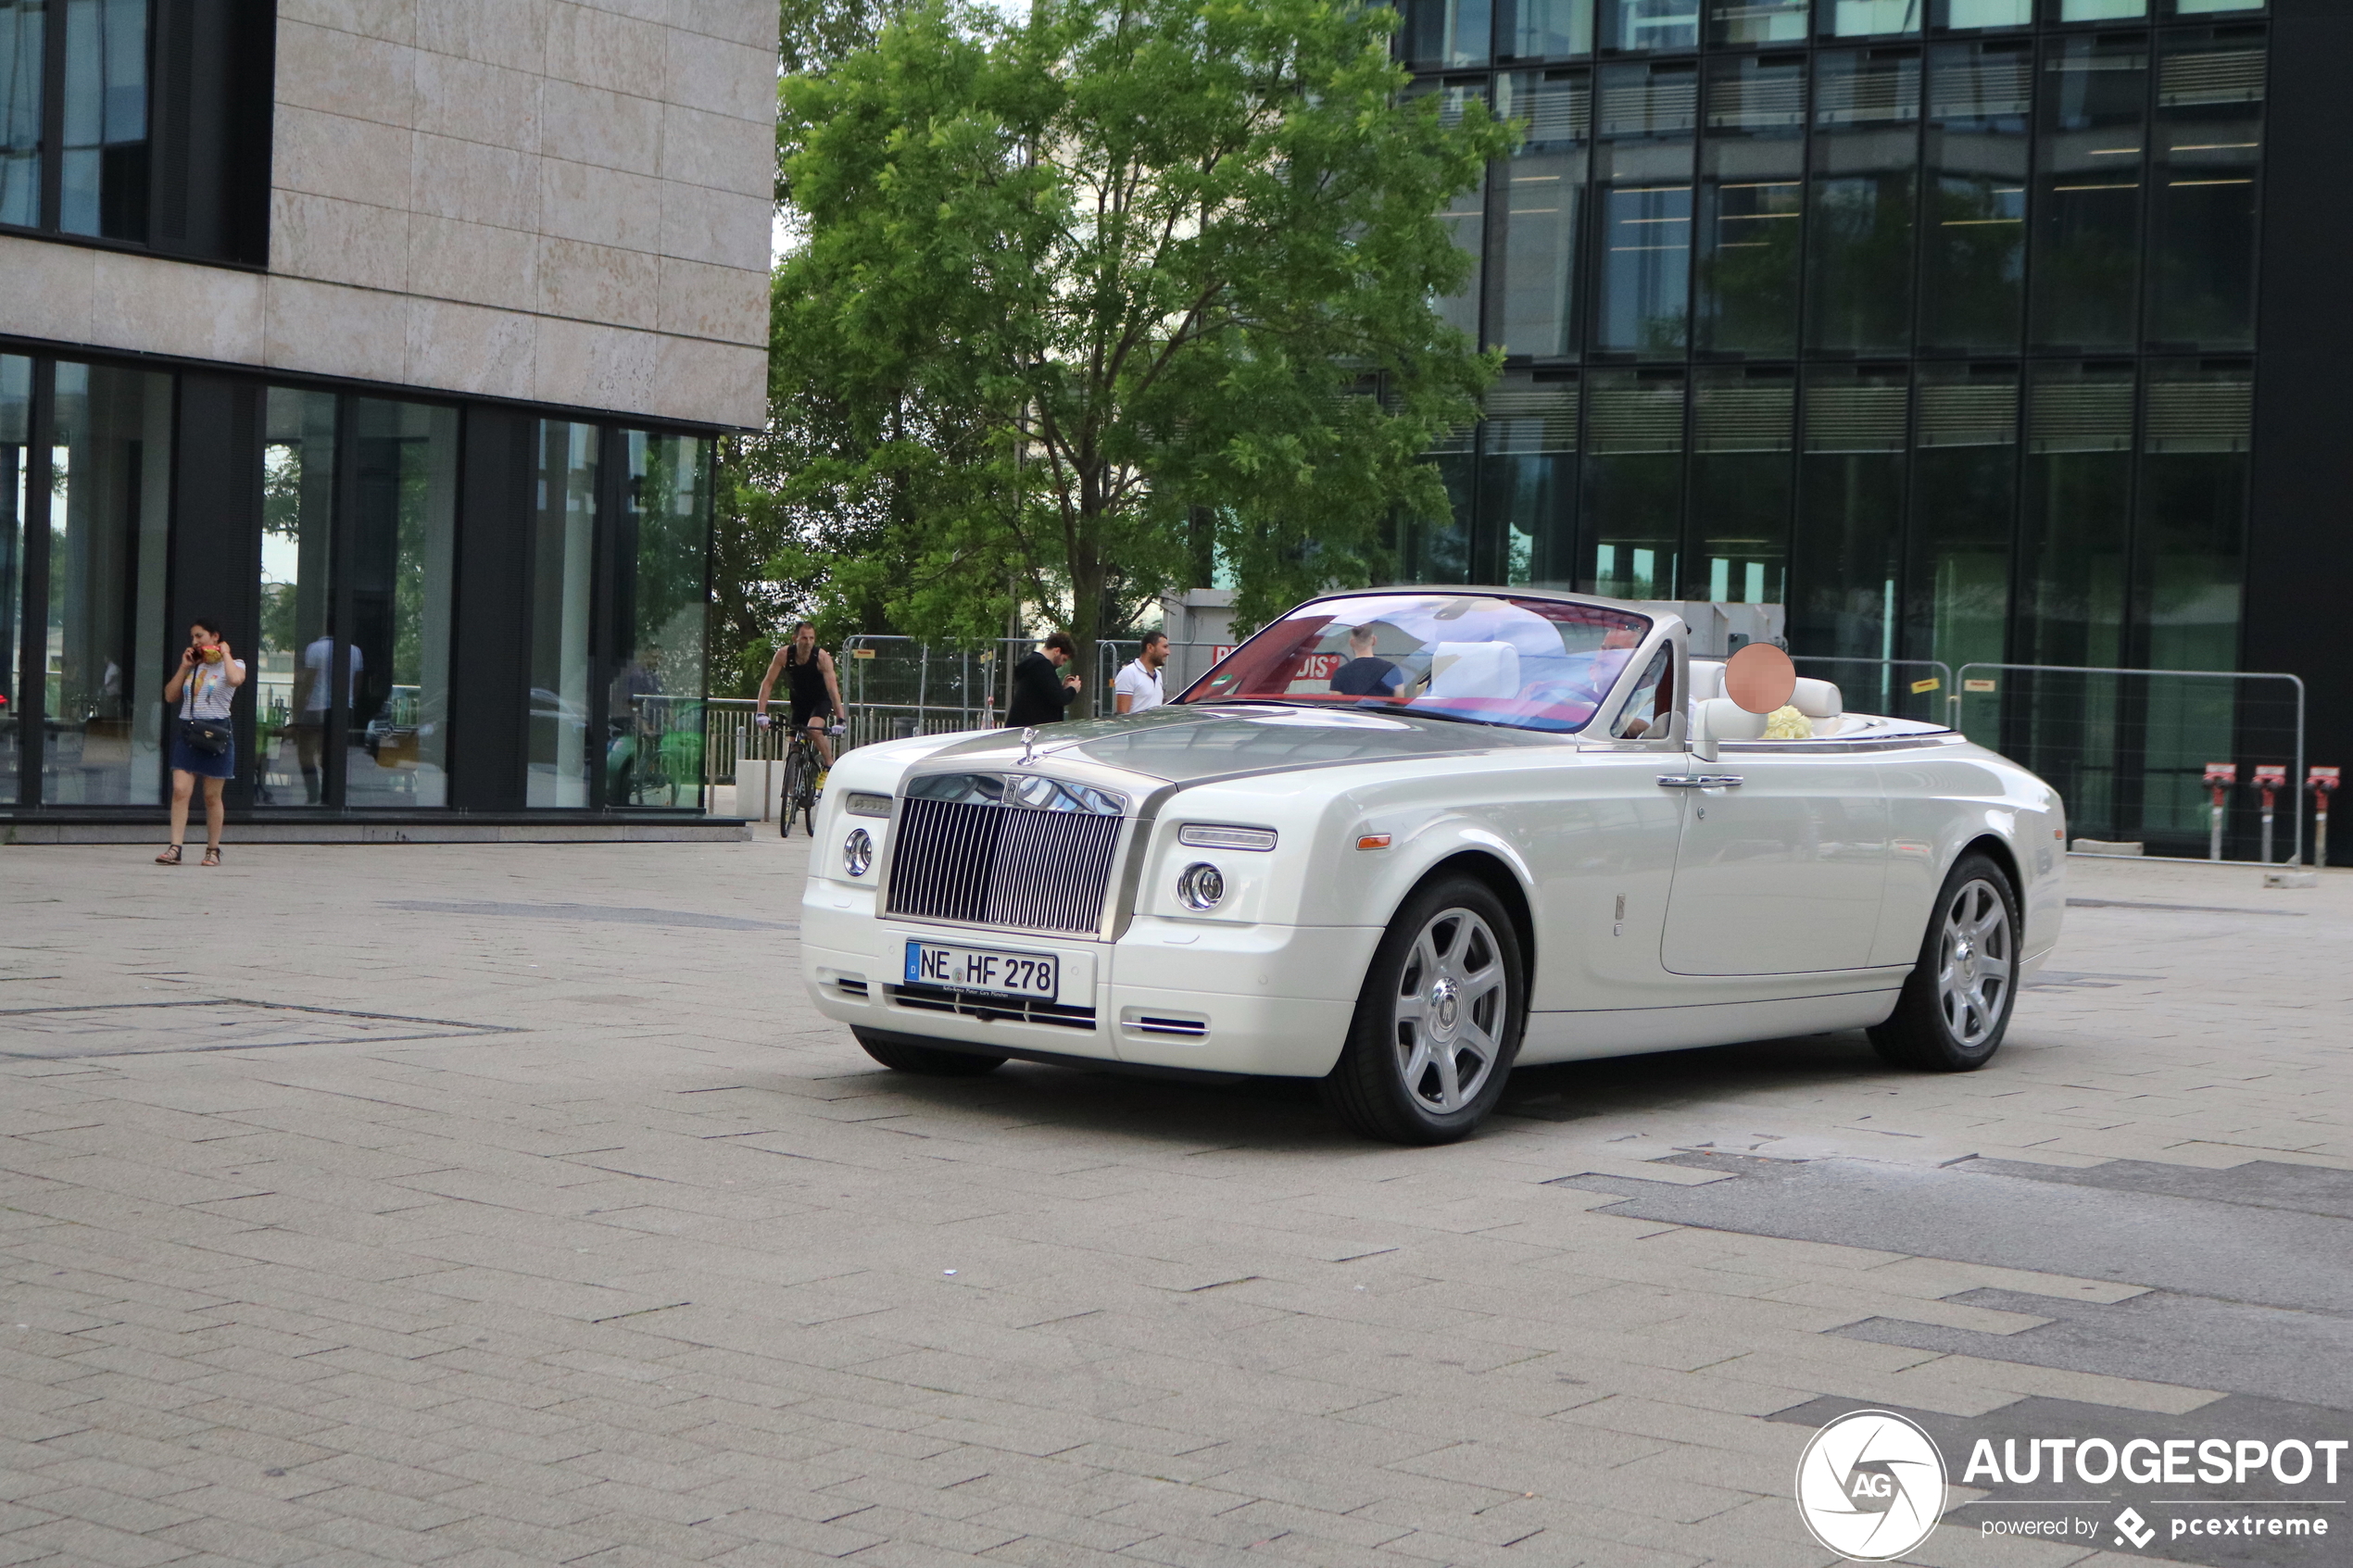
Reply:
x=329 y=534
x=1930 y=319
x=109 y=516
x=563 y=554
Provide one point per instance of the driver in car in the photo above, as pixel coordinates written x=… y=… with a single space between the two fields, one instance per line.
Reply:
x=1365 y=675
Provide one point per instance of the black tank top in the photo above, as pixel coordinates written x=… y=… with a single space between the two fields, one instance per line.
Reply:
x=807 y=681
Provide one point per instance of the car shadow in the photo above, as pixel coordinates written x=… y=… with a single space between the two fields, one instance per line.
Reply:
x=1279 y=1115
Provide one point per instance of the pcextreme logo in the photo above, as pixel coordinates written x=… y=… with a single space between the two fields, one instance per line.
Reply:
x=1871 y=1485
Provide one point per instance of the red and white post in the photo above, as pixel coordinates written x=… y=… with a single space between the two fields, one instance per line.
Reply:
x=2322 y=783
x=2221 y=777
x=2271 y=778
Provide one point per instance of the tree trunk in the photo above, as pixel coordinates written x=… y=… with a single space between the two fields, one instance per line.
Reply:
x=1087 y=609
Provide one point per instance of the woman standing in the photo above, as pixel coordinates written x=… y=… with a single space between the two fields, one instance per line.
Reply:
x=202 y=744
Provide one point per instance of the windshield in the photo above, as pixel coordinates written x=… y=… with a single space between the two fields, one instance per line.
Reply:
x=1531 y=664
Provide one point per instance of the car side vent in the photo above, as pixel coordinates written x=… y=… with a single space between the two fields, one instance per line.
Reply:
x=1184 y=1028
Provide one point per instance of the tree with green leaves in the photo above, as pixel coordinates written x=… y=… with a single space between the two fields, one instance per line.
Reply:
x=1072 y=284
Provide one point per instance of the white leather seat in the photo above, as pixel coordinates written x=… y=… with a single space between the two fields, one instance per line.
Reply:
x=1707 y=680
x=1474 y=669
x=1817 y=699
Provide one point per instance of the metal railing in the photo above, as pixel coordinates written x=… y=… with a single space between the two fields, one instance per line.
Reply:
x=1880 y=685
x=2128 y=750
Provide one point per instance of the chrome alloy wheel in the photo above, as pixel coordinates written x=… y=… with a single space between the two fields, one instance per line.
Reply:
x=1974 y=957
x=1451 y=1010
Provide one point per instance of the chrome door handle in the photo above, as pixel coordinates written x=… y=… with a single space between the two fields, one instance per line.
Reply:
x=1699 y=780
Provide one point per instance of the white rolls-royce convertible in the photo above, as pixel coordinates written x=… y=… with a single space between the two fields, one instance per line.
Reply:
x=1402 y=840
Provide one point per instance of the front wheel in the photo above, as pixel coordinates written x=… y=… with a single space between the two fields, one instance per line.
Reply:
x=788 y=799
x=1439 y=1021
x=1956 y=1004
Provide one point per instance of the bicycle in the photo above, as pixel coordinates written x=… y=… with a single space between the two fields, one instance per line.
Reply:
x=802 y=766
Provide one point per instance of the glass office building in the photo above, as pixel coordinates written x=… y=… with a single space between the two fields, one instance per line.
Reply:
x=430 y=466
x=1948 y=324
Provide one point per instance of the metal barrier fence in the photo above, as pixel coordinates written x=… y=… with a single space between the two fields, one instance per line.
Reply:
x=1900 y=688
x=2130 y=752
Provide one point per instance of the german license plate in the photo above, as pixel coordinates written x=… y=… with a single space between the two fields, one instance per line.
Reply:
x=981 y=969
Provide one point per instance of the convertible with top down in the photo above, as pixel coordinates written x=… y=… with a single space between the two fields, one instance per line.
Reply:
x=1403 y=840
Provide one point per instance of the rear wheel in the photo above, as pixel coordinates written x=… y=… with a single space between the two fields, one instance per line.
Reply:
x=1439 y=1021
x=1956 y=1004
x=903 y=1055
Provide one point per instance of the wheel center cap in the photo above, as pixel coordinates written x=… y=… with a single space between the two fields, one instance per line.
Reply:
x=1445 y=1005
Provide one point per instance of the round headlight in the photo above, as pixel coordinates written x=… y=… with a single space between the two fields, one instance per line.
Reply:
x=1201 y=885
x=857 y=852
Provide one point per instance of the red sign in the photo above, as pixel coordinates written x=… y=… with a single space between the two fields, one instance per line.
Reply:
x=2270 y=775
x=2322 y=778
x=1317 y=667
x=2221 y=772
x=1220 y=651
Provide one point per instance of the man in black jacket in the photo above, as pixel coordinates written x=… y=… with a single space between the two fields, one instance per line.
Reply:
x=1040 y=690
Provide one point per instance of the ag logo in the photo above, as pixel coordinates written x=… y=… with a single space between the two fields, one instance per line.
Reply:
x=1871 y=1485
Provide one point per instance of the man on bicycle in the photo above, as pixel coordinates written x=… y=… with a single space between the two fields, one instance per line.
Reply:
x=816 y=694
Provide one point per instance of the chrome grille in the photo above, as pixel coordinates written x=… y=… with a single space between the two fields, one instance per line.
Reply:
x=1001 y=865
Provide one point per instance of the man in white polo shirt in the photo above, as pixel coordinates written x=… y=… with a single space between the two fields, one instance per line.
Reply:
x=1138 y=687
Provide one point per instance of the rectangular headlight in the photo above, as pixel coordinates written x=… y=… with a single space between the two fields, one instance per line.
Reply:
x=1218 y=835
x=859 y=803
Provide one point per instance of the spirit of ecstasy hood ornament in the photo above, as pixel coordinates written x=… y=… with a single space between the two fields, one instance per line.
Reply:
x=1028 y=744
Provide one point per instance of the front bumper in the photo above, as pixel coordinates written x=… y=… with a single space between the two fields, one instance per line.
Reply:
x=1204 y=995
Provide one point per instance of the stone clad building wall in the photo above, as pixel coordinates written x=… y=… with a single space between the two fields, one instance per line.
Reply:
x=540 y=200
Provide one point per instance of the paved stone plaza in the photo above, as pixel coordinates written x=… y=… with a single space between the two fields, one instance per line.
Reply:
x=509 y=1206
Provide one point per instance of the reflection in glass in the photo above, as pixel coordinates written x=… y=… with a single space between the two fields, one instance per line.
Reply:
x=1436 y=549
x=1973 y=269
x=653 y=750
x=2088 y=191
x=1752 y=189
x=2192 y=555
x=1965 y=468
x=1867 y=106
x=1544 y=194
x=2102 y=10
x=104 y=185
x=2209 y=132
x=1465 y=214
x=1980 y=13
x=1528 y=477
x=2212 y=8
x=403 y=554
x=1742 y=476
x=1870 y=18
x=1634 y=482
x=2072 y=539
x=1642 y=171
x=1650 y=24
x=1551 y=29
x=291 y=668
x=1842 y=567
x=109 y=514
x=21 y=51
x=1757 y=21
x=16 y=462
x=563 y=532
x=1444 y=34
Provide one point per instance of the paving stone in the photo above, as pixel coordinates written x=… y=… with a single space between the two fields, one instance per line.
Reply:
x=657 y=1273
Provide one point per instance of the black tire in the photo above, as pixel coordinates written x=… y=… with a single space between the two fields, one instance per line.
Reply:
x=788 y=799
x=1398 y=1078
x=809 y=799
x=1956 y=1004
x=903 y=1055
